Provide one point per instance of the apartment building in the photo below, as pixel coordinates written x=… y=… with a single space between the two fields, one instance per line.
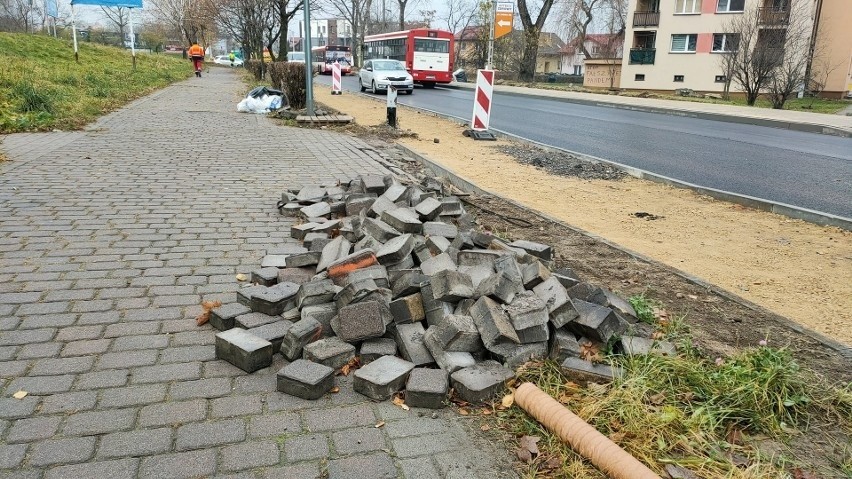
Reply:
x=673 y=44
x=833 y=43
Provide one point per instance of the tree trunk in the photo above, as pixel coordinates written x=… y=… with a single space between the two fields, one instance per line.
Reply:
x=751 y=96
x=527 y=68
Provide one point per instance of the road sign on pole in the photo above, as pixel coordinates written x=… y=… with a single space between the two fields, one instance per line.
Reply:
x=504 y=17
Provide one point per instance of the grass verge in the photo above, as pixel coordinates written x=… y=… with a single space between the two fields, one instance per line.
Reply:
x=43 y=88
x=754 y=414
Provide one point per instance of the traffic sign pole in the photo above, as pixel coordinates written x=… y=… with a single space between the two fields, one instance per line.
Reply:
x=489 y=64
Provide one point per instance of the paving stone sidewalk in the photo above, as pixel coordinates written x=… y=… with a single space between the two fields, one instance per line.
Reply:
x=109 y=240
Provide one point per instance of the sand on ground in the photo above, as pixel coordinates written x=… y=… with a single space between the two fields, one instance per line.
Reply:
x=796 y=269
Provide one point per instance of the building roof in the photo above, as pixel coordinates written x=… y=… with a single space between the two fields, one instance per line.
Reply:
x=603 y=39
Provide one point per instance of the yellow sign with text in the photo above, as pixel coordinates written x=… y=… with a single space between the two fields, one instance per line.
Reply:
x=503 y=19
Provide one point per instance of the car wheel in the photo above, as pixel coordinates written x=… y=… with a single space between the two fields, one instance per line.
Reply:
x=361 y=84
x=373 y=88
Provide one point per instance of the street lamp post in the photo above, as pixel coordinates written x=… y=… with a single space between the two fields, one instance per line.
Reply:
x=309 y=78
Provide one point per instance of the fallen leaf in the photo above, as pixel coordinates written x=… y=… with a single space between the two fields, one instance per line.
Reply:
x=677 y=472
x=735 y=436
x=206 y=307
x=657 y=399
x=20 y=395
x=798 y=473
x=508 y=400
x=658 y=335
x=463 y=411
x=524 y=455
x=379 y=424
x=400 y=402
x=529 y=443
x=553 y=463
x=334 y=390
x=241 y=277
x=352 y=365
x=617 y=436
x=485 y=411
x=485 y=427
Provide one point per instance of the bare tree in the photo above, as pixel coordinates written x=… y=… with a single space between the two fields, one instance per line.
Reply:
x=428 y=17
x=789 y=73
x=532 y=31
x=250 y=22
x=460 y=15
x=757 y=54
x=403 y=4
x=285 y=10
x=19 y=15
x=356 y=12
x=193 y=21
x=118 y=16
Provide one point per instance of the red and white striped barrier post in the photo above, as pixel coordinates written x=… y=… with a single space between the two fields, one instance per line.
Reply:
x=335 y=79
x=482 y=106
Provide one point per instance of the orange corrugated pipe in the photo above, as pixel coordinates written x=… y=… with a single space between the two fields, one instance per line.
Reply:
x=577 y=433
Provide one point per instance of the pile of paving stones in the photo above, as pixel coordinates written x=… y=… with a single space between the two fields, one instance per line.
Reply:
x=397 y=279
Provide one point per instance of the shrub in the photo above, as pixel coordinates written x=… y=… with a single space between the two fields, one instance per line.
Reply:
x=293 y=84
x=33 y=99
x=256 y=68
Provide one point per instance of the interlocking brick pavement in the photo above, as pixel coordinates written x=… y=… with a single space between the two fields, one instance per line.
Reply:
x=109 y=240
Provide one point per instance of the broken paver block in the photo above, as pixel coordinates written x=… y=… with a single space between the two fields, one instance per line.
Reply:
x=563 y=344
x=300 y=231
x=427 y=388
x=583 y=371
x=463 y=241
x=336 y=250
x=273 y=261
x=456 y=333
x=637 y=346
x=403 y=220
x=433 y=184
x=420 y=252
x=265 y=276
x=481 y=381
x=377 y=273
x=409 y=340
x=273 y=332
x=508 y=266
x=620 y=306
x=354 y=206
x=449 y=361
x=305 y=379
x=559 y=305
x=566 y=277
x=319 y=244
x=315 y=292
x=493 y=324
x=311 y=258
x=535 y=273
x=253 y=320
x=310 y=194
x=295 y=275
x=335 y=193
x=533 y=334
x=276 y=299
x=301 y=333
x=437 y=228
x=408 y=282
x=482 y=239
x=244 y=350
x=290 y=210
x=327 y=226
x=359 y=321
x=292 y=315
x=395 y=250
x=316 y=210
x=368 y=242
x=539 y=250
x=434 y=309
x=428 y=209
x=380 y=230
x=588 y=293
x=373 y=184
x=463 y=307
x=381 y=205
x=245 y=293
x=223 y=317
x=514 y=355
x=309 y=240
x=438 y=263
x=355 y=292
x=498 y=288
x=451 y=286
x=396 y=192
x=323 y=314
x=595 y=322
x=437 y=245
x=383 y=377
x=451 y=206
x=331 y=352
x=360 y=259
x=407 y=263
x=408 y=309
x=375 y=348
x=527 y=310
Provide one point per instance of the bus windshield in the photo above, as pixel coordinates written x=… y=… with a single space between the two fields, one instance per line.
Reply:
x=431 y=46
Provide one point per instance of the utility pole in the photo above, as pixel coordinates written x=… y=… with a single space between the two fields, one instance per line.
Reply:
x=309 y=67
x=489 y=65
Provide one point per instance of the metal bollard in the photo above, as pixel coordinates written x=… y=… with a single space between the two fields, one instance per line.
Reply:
x=391 y=95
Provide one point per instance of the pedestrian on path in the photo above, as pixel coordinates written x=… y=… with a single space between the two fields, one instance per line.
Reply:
x=231 y=57
x=196 y=54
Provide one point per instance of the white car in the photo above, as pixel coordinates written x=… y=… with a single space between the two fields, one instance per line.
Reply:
x=378 y=75
x=225 y=60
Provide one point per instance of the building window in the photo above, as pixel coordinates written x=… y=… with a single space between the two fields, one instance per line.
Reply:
x=639 y=77
x=726 y=42
x=730 y=6
x=578 y=70
x=684 y=43
x=687 y=6
x=678 y=78
x=721 y=79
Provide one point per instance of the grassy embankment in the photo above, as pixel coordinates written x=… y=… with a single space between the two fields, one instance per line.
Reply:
x=752 y=415
x=43 y=88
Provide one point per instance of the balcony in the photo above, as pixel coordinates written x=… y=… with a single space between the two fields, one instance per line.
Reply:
x=642 y=56
x=773 y=17
x=646 y=19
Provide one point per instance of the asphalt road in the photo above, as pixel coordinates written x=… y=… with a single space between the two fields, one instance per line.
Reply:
x=807 y=170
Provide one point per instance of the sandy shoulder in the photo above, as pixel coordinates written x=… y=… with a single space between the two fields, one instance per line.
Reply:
x=796 y=269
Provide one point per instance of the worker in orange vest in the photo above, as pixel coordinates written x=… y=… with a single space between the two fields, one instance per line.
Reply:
x=196 y=54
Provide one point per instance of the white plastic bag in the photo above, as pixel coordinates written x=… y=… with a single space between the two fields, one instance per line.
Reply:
x=259 y=105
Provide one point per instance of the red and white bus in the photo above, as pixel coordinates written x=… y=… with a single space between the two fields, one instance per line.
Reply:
x=323 y=57
x=427 y=53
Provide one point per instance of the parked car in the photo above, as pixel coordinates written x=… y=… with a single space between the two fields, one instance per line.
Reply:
x=225 y=60
x=378 y=75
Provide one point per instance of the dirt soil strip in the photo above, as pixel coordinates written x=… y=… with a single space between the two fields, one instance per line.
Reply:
x=794 y=269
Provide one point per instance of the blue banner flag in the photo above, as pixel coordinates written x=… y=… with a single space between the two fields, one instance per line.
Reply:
x=110 y=3
x=51 y=8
